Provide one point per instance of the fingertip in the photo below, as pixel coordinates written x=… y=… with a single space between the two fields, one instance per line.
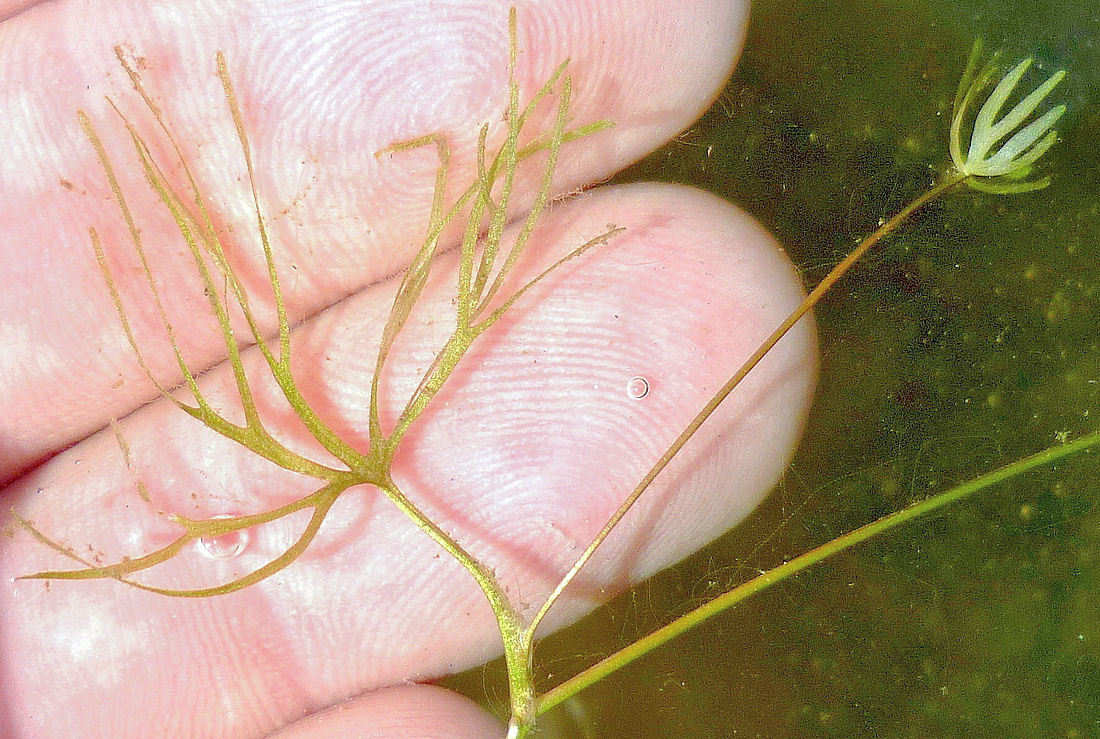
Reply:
x=402 y=711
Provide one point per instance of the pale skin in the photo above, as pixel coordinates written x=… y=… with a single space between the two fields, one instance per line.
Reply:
x=523 y=457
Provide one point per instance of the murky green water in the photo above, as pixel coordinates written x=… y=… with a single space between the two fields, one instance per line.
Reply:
x=967 y=342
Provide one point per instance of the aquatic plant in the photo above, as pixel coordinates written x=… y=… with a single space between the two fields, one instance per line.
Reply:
x=481 y=278
x=1004 y=170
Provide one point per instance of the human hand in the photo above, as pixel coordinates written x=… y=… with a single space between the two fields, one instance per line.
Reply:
x=533 y=443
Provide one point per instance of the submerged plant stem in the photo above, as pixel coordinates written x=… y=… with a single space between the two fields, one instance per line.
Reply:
x=727 y=600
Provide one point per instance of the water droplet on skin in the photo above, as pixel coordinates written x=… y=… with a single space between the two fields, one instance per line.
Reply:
x=226 y=546
x=637 y=388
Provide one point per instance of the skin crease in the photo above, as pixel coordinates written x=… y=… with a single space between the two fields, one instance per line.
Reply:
x=525 y=453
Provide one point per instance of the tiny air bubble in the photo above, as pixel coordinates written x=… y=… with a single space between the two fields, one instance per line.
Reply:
x=637 y=388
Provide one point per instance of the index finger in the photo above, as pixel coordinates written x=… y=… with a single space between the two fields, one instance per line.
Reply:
x=322 y=87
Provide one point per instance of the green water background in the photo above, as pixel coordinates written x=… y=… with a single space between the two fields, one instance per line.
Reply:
x=968 y=341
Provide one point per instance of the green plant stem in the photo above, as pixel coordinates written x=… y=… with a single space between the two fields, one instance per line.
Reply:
x=625 y=656
x=521 y=679
x=945 y=185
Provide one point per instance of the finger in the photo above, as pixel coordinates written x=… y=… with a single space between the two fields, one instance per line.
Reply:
x=9 y=8
x=322 y=86
x=422 y=711
x=525 y=453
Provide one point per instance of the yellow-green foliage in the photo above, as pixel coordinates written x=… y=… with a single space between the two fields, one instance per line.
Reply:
x=483 y=274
